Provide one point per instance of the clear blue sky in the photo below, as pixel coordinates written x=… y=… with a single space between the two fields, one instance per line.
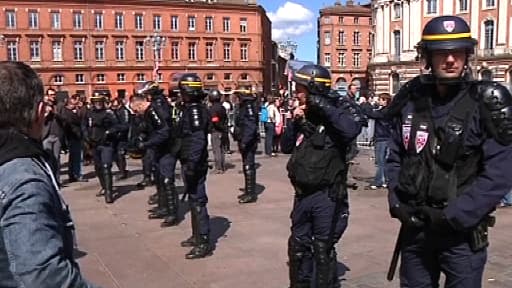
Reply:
x=296 y=20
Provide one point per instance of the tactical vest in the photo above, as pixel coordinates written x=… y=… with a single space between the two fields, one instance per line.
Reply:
x=436 y=166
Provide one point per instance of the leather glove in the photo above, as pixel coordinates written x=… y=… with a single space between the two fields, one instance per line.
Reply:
x=434 y=218
x=406 y=215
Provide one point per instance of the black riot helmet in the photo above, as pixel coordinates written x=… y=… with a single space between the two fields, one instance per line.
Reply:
x=214 y=96
x=150 y=88
x=316 y=78
x=244 y=95
x=191 y=88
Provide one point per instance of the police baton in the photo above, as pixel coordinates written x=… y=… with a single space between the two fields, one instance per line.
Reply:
x=396 y=255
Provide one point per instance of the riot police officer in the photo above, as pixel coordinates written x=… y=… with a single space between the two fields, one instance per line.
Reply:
x=124 y=116
x=218 y=128
x=317 y=138
x=450 y=161
x=159 y=138
x=246 y=134
x=100 y=132
x=194 y=125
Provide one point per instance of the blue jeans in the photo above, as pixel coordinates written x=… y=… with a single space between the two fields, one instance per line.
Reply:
x=507 y=200
x=381 y=153
x=270 y=129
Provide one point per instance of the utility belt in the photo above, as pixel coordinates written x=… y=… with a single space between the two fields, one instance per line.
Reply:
x=479 y=236
x=336 y=191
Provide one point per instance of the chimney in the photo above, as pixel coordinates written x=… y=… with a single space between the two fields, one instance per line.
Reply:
x=350 y=3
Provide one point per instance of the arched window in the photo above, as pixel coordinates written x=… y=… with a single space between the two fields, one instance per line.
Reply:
x=486 y=75
x=395 y=83
x=489 y=34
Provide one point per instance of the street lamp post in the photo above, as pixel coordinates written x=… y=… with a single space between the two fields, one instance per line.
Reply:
x=157 y=43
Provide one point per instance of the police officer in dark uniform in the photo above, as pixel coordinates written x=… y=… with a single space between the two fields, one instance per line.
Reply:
x=124 y=116
x=246 y=134
x=101 y=127
x=317 y=138
x=194 y=125
x=218 y=128
x=450 y=161
x=159 y=138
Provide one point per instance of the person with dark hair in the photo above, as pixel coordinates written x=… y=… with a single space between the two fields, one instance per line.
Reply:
x=218 y=128
x=36 y=229
x=74 y=136
x=124 y=116
x=53 y=132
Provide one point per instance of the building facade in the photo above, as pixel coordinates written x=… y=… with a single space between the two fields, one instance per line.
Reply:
x=398 y=27
x=85 y=46
x=345 y=42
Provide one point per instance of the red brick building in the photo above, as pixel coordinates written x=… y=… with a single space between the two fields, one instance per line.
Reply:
x=344 y=41
x=83 y=46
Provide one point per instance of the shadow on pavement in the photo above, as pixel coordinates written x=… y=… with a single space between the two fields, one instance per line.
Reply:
x=121 y=191
x=77 y=253
x=218 y=227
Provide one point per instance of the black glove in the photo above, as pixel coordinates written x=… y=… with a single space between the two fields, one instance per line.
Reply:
x=140 y=145
x=406 y=215
x=434 y=218
x=317 y=101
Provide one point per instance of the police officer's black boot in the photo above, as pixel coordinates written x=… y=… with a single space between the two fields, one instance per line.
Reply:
x=172 y=204
x=121 y=164
x=323 y=258
x=192 y=240
x=107 y=179
x=202 y=246
x=98 y=171
x=153 y=198
x=250 y=186
x=161 y=210
x=295 y=261
x=146 y=181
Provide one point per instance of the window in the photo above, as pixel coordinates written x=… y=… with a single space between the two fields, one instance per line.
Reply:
x=431 y=6
x=341 y=59
x=356 y=20
x=327 y=37
x=78 y=20
x=191 y=23
x=243 y=25
x=397 y=8
x=121 y=77
x=490 y=3
x=208 y=24
x=174 y=23
x=159 y=77
x=357 y=38
x=100 y=50
x=340 y=19
x=120 y=51
x=341 y=38
x=395 y=83
x=327 y=20
x=210 y=77
x=210 y=55
x=33 y=19
x=12 y=51
x=157 y=23
x=228 y=76
x=100 y=78
x=244 y=52
x=244 y=77
x=226 y=24
x=371 y=39
x=327 y=59
x=139 y=50
x=35 y=50
x=227 y=51
x=58 y=79
x=463 y=5
x=57 y=50
x=486 y=75
x=139 y=22
x=489 y=34
x=119 y=21
x=398 y=44
x=78 y=50
x=79 y=78
x=192 y=51
x=10 y=19
x=98 y=20
x=357 y=60
x=175 y=50
x=55 y=17
x=141 y=77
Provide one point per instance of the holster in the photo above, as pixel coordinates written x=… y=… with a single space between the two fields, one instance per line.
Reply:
x=479 y=236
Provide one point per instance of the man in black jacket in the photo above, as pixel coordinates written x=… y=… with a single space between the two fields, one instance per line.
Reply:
x=218 y=128
x=73 y=133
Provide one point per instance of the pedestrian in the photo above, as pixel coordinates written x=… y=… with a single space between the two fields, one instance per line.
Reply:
x=218 y=130
x=194 y=125
x=72 y=121
x=318 y=139
x=450 y=161
x=36 y=229
x=247 y=136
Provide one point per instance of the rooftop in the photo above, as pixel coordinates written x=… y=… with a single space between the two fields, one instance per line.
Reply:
x=348 y=9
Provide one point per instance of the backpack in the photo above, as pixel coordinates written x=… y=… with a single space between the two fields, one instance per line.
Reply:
x=263 y=114
x=314 y=166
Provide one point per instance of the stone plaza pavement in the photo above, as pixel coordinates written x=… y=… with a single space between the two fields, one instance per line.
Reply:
x=121 y=248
